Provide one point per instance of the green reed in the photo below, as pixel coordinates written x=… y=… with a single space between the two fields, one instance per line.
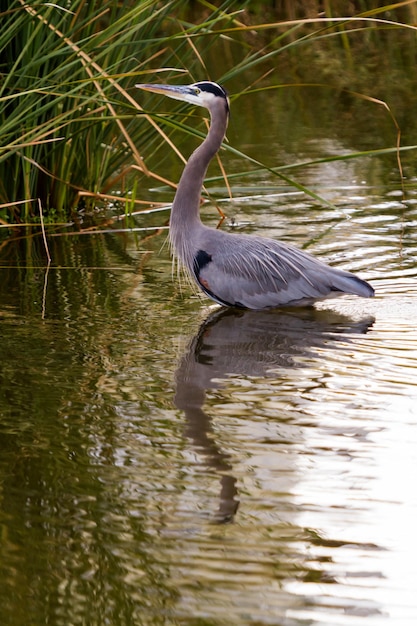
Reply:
x=70 y=124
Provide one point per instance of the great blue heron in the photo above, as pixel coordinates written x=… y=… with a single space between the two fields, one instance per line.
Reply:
x=238 y=270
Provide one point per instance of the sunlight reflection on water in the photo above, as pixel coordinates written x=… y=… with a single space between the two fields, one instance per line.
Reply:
x=322 y=459
x=314 y=426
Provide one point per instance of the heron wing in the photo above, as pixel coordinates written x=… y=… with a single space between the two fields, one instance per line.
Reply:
x=258 y=273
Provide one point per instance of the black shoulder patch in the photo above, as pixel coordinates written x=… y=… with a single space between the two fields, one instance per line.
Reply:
x=201 y=259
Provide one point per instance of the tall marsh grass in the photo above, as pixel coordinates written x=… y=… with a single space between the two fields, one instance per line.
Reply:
x=70 y=127
x=66 y=120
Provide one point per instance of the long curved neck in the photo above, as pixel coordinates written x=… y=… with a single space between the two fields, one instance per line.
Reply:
x=185 y=211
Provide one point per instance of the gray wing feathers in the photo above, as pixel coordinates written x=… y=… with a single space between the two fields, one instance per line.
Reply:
x=258 y=273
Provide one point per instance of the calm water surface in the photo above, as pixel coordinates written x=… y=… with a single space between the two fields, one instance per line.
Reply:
x=164 y=462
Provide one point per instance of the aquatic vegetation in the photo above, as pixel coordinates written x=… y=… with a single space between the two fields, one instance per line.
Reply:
x=71 y=129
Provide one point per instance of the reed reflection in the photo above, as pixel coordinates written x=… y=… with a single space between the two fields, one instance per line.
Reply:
x=248 y=343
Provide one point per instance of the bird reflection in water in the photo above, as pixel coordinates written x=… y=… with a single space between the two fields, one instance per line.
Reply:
x=248 y=343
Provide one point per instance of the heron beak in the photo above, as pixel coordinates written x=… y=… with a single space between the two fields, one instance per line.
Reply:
x=186 y=93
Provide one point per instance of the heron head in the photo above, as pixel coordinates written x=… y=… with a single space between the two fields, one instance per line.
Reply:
x=204 y=93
